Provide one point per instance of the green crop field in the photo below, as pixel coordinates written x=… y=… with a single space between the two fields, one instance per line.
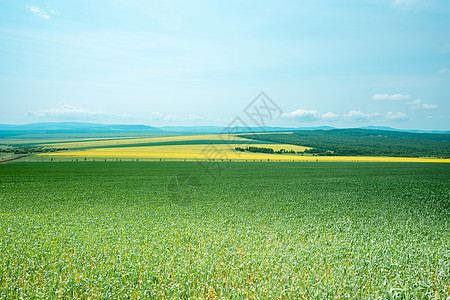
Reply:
x=258 y=230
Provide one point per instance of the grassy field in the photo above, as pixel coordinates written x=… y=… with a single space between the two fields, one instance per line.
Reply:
x=259 y=230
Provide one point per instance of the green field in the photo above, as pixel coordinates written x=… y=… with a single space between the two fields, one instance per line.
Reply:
x=258 y=230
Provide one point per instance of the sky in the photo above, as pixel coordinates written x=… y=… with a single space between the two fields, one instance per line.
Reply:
x=346 y=63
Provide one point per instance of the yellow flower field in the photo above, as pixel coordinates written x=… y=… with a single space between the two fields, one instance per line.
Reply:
x=109 y=148
x=204 y=151
x=127 y=140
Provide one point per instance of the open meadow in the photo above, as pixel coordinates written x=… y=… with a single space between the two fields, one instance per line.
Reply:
x=256 y=230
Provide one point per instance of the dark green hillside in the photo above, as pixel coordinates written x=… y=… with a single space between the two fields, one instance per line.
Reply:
x=364 y=142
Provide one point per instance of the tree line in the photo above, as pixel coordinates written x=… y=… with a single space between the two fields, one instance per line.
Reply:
x=27 y=149
x=364 y=142
x=264 y=150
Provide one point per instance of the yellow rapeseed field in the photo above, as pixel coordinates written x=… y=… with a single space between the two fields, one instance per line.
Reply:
x=122 y=141
x=202 y=151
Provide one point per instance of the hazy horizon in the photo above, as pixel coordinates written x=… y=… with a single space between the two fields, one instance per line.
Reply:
x=203 y=128
x=346 y=64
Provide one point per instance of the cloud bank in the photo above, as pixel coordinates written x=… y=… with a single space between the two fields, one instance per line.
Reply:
x=157 y=116
x=418 y=105
x=46 y=13
x=67 y=111
x=303 y=115
x=399 y=116
x=410 y=5
x=390 y=97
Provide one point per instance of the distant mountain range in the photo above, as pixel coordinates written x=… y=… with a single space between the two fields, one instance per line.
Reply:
x=75 y=126
x=80 y=129
x=216 y=129
x=72 y=130
x=402 y=130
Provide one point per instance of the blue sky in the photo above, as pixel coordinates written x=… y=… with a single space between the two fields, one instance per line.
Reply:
x=339 y=63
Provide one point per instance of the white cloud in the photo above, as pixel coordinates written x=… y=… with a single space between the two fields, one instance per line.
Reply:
x=44 y=13
x=193 y=118
x=302 y=115
x=356 y=115
x=352 y=116
x=313 y=115
x=67 y=111
x=445 y=48
x=418 y=105
x=172 y=118
x=390 y=97
x=398 y=116
x=39 y=12
x=156 y=115
x=444 y=71
x=330 y=116
x=408 y=5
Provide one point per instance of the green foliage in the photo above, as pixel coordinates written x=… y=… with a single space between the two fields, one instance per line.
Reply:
x=27 y=149
x=256 y=149
x=364 y=142
x=263 y=150
x=261 y=230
